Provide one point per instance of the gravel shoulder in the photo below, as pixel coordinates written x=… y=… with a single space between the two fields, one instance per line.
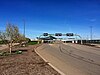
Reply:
x=27 y=63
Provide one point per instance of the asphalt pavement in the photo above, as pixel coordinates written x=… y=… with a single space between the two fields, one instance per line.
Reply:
x=72 y=59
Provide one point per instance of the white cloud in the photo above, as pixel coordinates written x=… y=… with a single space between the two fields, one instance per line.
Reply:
x=92 y=20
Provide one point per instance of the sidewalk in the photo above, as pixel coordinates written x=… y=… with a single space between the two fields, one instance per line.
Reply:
x=97 y=45
x=6 y=46
x=3 y=47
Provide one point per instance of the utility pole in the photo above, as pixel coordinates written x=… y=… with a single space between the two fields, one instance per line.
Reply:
x=24 y=27
x=91 y=33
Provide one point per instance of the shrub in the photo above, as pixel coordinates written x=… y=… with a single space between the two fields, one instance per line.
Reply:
x=18 y=52
x=33 y=42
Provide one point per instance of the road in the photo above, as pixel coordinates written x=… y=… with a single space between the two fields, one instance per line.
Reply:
x=72 y=59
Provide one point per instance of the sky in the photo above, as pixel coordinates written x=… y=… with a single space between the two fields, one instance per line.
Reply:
x=52 y=16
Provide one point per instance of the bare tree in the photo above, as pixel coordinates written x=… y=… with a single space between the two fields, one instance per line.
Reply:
x=12 y=35
x=12 y=32
x=2 y=35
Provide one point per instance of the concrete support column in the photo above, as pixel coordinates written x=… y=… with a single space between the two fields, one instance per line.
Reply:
x=42 y=41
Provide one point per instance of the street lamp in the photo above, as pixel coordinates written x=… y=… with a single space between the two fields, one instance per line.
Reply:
x=91 y=32
x=24 y=28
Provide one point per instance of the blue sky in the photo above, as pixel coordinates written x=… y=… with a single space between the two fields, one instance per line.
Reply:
x=52 y=16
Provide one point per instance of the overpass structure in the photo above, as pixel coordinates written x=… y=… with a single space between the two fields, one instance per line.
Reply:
x=58 y=35
x=69 y=37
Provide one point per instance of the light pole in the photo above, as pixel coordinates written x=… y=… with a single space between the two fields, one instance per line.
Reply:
x=24 y=28
x=91 y=33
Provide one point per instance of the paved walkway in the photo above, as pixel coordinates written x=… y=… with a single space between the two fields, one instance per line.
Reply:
x=97 y=45
x=6 y=46
x=3 y=47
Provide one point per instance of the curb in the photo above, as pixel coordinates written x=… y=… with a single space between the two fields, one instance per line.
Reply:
x=50 y=64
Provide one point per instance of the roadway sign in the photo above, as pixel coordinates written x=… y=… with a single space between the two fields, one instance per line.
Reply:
x=45 y=34
x=69 y=34
x=58 y=34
